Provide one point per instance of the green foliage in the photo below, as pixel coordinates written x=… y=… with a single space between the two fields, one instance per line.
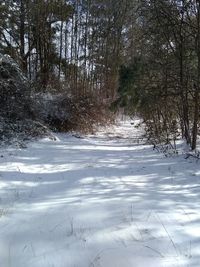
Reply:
x=130 y=90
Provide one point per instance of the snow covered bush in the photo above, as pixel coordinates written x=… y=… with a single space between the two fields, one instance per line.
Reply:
x=66 y=113
x=18 y=131
x=16 y=116
x=23 y=113
x=14 y=90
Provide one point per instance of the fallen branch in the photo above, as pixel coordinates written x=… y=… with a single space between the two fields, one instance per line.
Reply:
x=196 y=156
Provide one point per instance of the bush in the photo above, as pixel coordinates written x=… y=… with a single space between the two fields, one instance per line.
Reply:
x=14 y=90
x=23 y=115
x=16 y=118
x=19 y=131
x=63 y=113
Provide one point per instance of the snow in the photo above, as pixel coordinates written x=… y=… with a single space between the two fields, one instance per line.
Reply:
x=103 y=200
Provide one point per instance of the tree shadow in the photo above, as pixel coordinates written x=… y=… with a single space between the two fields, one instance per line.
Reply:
x=72 y=195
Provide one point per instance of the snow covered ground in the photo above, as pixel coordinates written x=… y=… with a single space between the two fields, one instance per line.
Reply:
x=102 y=200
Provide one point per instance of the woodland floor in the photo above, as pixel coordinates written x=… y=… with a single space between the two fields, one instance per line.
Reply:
x=102 y=200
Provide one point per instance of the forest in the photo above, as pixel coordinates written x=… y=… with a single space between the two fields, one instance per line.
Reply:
x=99 y=133
x=139 y=57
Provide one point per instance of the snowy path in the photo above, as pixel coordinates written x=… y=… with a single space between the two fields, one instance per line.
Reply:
x=98 y=202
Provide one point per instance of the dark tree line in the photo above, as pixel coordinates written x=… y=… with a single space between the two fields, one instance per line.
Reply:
x=142 y=54
x=161 y=81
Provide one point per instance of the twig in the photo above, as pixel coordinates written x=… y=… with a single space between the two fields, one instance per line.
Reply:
x=156 y=251
x=196 y=156
x=170 y=238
